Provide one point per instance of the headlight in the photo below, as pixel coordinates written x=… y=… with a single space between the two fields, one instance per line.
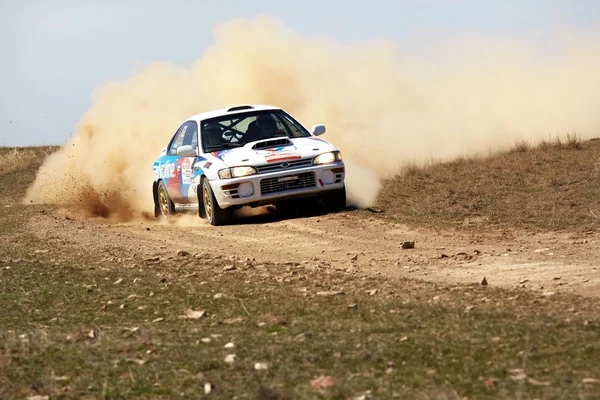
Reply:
x=236 y=172
x=328 y=158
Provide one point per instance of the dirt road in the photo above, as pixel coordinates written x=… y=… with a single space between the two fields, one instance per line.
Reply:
x=356 y=241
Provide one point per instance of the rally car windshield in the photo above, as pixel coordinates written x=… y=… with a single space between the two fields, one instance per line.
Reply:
x=236 y=130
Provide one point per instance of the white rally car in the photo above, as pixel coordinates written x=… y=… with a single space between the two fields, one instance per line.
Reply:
x=248 y=155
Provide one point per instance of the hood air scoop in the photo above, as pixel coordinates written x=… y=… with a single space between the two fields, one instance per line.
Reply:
x=272 y=143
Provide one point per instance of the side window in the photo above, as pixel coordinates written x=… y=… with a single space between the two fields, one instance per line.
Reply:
x=177 y=140
x=191 y=134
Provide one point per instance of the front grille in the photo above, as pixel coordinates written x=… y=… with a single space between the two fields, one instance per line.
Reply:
x=284 y=165
x=287 y=182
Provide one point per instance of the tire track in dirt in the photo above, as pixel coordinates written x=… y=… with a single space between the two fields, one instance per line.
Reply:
x=355 y=241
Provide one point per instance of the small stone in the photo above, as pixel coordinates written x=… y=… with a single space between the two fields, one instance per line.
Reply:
x=192 y=314
x=407 y=245
x=331 y=293
x=322 y=382
x=261 y=366
x=367 y=395
x=484 y=282
x=535 y=382
x=491 y=382
x=230 y=358
x=517 y=374
x=229 y=268
x=590 y=380
x=182 y=253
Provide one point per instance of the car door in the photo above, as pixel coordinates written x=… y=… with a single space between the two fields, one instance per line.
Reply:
x=185 y=165
x=171 y=164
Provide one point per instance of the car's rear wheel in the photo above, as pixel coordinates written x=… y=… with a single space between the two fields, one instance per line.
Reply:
x=214 y=213
x=335 y=200
x=166 y=206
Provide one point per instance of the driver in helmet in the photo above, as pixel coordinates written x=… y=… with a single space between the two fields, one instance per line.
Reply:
x=266 y=127
x=212 y=133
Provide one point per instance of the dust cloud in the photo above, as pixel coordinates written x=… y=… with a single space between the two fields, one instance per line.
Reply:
x=383 y=109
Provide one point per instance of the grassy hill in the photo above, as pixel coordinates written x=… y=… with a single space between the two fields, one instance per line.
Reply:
x=550 y=185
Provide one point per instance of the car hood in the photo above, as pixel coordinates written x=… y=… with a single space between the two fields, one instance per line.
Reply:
x=261 y=152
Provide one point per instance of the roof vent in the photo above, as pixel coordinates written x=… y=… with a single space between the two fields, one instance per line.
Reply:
x=240 y=108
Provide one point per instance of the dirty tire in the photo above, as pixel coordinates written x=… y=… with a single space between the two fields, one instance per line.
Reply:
x=335 y=200
x=166 y=206
x=215 y=214
x=201 y=210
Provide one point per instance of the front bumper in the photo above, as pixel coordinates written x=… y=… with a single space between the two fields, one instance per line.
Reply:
x=267 y=188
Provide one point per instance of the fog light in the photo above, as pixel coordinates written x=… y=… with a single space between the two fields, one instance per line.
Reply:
x=327 y=177
x=246 y=189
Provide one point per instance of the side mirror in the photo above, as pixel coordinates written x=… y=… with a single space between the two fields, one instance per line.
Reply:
x=318 y=130
x=186 y=151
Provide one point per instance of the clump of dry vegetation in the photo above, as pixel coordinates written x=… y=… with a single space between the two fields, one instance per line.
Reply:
x=554 y=184
x=18 y=158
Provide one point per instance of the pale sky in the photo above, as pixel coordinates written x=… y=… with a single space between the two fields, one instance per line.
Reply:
x=54 y=53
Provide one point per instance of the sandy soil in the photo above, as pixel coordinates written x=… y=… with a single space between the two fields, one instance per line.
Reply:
x=354 y=241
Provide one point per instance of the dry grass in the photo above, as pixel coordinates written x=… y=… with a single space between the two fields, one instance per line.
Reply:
x=554 y=184
x=19 y=158
x=79 y=324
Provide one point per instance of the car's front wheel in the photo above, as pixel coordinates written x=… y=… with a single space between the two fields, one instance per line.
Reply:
x=335 y=200
x=165 y=205
x=214 y=213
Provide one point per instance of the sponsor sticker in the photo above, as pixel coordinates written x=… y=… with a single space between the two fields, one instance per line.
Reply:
x=165 y=171
x=282 y=156
x=186 y=171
